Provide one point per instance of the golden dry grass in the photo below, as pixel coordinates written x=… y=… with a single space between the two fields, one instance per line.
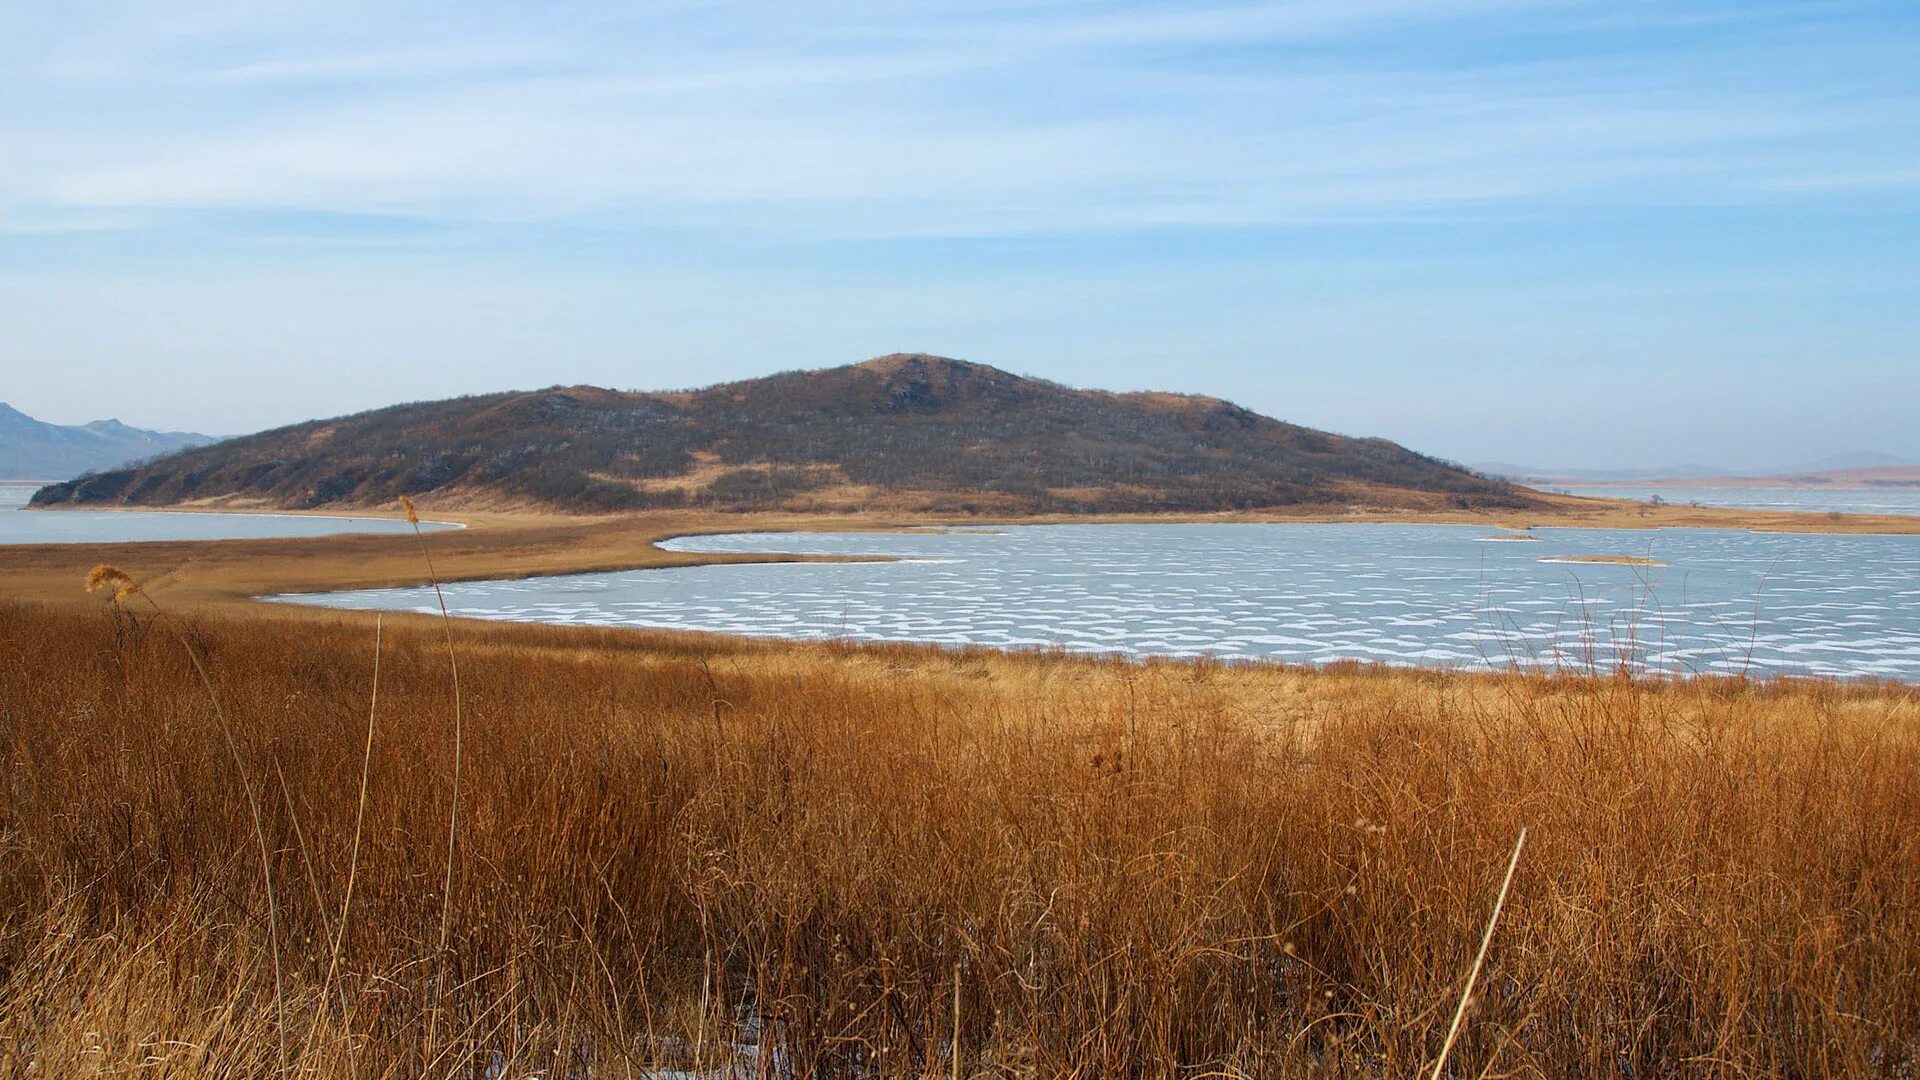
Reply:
x=677 y=851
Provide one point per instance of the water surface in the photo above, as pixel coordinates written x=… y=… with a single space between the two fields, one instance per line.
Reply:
x=18 y=525
x=1439 y=595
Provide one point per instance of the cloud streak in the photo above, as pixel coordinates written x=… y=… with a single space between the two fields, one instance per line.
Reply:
x=884 y=120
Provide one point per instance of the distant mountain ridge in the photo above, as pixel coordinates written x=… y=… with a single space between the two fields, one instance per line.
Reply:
x=906 y=432
x=1531 y=473
x=1877 y=476
x=1857 y=461
x=33 y=449
x=1861 y=459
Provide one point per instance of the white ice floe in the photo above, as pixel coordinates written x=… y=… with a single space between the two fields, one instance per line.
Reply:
x=1420 y=595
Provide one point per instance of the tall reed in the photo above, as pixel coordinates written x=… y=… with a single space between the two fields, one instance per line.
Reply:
x=907 y=862
x=453 y=812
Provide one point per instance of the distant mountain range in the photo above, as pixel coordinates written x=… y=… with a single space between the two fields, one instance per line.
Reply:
x=1837 y=463
x=36 y=450
x=1528 y=474
x=902 y=432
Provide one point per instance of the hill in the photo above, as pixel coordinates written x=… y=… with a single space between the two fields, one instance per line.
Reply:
x=911 y=432
x=36 y=450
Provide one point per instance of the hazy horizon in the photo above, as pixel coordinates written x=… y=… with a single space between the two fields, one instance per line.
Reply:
x=1566 y=233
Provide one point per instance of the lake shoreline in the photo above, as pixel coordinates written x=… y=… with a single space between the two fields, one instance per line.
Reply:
x=512 y=544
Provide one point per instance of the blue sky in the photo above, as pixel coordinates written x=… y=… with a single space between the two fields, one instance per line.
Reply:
x=1561 y=232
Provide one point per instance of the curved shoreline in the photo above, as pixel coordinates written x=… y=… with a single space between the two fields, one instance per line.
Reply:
x=516 y=544
x=978 y=607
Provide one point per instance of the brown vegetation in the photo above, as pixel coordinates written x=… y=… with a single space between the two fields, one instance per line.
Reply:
x=904 y=433
x=674 y=851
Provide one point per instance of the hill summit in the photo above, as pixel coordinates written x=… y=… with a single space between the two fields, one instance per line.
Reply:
x=906 y=432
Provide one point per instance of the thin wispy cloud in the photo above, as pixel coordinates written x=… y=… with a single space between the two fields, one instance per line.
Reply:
x=382 y=66
x=909 y=119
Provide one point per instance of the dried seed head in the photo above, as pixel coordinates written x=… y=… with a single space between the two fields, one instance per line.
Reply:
x=413 y=516
x=108 y=577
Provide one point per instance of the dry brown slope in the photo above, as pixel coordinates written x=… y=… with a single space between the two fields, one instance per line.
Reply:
x=904 y=433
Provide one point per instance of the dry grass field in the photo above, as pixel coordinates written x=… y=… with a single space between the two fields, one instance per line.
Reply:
x=247 y=846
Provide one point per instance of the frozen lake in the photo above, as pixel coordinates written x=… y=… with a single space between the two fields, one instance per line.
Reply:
x=1432 y=595
x=18 y=525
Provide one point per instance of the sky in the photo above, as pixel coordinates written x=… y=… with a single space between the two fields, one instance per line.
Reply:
x=1598 y=233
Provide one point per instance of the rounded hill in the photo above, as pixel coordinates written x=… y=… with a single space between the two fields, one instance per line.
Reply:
x=909 y=431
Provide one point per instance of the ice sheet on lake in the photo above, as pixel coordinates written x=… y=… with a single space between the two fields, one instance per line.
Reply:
x=1727 y=601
